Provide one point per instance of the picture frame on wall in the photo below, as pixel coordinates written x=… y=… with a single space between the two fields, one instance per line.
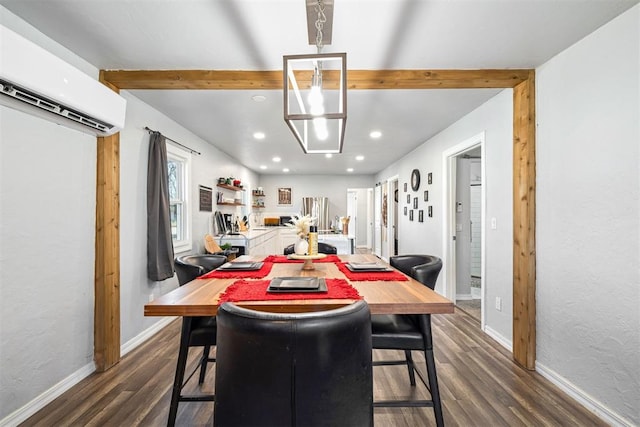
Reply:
x=205 y=198
x=284 y=196
x=411 y=215
x=415 y=203
x=430 y=211
x=408 y=198
x=405 y=211
x=426 y=195
x=429 y=178
x=405 y=187
x=420 y=215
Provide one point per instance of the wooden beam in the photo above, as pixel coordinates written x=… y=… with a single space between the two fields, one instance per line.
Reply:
x=107 y=262
x=522 y=81
x=524 y=224
x=356 y=79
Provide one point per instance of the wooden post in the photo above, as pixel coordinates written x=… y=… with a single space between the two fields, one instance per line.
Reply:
x=107 y=263
x=524 y=223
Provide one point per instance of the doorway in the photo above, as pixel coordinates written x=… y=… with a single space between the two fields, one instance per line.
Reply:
x=464 y=240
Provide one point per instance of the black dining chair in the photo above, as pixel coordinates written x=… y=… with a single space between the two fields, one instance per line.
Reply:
x=294 y=369
x=323 y=248
x=411 y=332
x=196 y=332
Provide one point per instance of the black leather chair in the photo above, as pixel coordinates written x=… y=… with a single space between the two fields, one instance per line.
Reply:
x=294 y=369
x=404 y=263
x=411 y=332
x=323 y=248
x=196 y=331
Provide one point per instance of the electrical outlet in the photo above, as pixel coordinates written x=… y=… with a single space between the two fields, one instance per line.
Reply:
x=498 y=303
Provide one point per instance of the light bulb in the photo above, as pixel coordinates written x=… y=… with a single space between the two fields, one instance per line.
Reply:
x=316 y=101
x=320 y=127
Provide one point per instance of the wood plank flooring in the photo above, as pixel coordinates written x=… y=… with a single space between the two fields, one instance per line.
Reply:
x=479 y=386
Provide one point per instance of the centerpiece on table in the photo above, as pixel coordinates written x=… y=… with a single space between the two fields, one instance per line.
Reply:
x=302 y=225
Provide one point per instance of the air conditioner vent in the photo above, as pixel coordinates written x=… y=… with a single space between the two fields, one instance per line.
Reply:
x=24 y=95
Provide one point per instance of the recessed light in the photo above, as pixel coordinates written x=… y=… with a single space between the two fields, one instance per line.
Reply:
x=276 y=159
x=285 y=170
x=258 y=98
x=328 y=155
x=359 y=158
x=375 y=134
x=349 y=169
x=258 y=135
x=263 y=167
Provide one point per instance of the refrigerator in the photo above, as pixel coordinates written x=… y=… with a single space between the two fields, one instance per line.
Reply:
x=317 y=207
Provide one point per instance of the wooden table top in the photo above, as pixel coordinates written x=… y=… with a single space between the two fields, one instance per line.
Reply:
x=200 y=297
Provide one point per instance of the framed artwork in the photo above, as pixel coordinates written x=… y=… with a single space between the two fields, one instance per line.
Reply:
x=415 y=203
x=206 y=198
x=408 y=198
x=415 y=179
x=429 y=178
x=284 y=196
x=405 y=187
x=405 y=211
x=426 y=196
x=411 y=215
x=420 y=215
x=430 y=211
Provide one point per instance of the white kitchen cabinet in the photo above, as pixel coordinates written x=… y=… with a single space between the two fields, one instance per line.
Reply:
x=288 y=237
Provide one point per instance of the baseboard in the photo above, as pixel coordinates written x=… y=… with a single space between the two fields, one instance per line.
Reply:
x=145 y=335
x=583 y=398
x=42 y=400
x=22 y=414
x=499 y=338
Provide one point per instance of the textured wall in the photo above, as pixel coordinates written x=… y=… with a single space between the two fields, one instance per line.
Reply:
x=495 y=119
x=47 y=223
x=588 y=216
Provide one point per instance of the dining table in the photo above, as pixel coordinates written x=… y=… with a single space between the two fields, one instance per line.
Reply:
x=390 y=293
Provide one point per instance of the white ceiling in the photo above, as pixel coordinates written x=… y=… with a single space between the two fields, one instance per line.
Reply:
x=375 y=34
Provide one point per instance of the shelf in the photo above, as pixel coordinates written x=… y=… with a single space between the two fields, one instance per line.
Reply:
x=254 y=194
x=230 y=187
x=230 y=204
x=257 y=206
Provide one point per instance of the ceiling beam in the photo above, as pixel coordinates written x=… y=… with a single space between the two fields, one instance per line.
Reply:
x=356 y=79
x=524 y=179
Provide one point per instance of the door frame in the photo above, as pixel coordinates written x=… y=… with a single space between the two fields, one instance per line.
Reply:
x=449 y=184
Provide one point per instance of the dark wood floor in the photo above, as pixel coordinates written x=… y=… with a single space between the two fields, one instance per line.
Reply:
x=480 y=386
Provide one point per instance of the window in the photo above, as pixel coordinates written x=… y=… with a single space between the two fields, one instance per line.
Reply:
x=178 y=166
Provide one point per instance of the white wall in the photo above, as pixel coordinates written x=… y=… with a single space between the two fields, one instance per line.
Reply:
x=47 y=235
x=334 y=187
x=588 y=217
x=47 y=223
x=205 y=170
x=495 y=119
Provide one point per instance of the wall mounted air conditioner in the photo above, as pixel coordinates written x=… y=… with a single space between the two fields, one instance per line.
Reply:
x=35 y=81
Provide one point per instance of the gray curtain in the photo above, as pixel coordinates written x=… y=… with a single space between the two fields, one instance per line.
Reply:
x=159 y=241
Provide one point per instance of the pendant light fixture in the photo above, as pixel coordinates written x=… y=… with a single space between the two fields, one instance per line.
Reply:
x=315 y=87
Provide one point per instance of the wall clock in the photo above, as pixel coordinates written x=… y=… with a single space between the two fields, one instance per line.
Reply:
x=415 y=180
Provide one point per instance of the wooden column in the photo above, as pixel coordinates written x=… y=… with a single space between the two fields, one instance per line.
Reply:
x=524 y=223
x=107 y=262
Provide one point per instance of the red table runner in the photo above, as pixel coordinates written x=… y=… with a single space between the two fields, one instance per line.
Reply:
x=283 y=258
x=230 y=274
x=370 y=275
x=256 y=290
